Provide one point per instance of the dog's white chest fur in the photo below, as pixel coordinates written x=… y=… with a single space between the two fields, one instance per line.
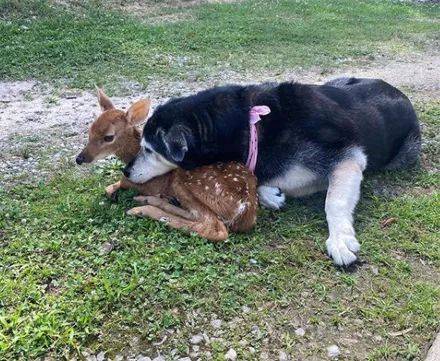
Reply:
x=298 y=181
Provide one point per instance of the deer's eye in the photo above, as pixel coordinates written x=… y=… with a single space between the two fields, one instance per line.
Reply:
x=109 y=138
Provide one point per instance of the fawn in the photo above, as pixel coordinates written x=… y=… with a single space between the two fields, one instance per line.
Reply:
x=207 y=200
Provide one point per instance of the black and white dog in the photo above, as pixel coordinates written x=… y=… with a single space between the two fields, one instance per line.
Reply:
x=316 y=137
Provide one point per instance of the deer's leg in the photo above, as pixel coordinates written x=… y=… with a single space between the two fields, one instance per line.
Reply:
x=212 y=229
x=209 y=228
x=156 y=213
x=165 y=206
x=111 y=191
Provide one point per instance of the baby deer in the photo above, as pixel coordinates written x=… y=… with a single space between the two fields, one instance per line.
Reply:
x=208 y=200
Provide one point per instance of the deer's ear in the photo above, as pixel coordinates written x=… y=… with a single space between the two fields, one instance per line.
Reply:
x=138 y=112
x=104 y=101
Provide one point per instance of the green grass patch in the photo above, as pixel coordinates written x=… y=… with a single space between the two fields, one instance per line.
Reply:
x=87 y=43
x=78 y=273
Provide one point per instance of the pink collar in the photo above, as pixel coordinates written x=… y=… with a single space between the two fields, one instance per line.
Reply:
x=254 y=118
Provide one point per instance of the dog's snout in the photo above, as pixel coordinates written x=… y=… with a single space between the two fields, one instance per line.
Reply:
x=80 y=159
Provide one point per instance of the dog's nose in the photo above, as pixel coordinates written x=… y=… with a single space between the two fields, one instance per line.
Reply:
x=126 y=172
x=80 y=159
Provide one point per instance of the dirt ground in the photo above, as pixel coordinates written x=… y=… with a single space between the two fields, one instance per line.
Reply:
x=42 y=127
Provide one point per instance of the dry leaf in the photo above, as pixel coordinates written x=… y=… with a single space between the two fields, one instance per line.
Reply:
x=387 y=221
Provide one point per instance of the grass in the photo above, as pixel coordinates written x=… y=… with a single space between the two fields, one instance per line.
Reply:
x=77 y=273
x=89 y=42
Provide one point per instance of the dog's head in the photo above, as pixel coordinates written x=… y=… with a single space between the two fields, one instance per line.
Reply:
x=191 y=131
x=164 y=146
x=112 y=131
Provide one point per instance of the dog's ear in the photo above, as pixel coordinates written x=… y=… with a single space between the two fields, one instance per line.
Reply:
x=176 y=143
x=104 y=101
x=138 y=112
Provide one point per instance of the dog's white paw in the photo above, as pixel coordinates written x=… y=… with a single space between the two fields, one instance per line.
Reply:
x=271 y=197
x=343 y=249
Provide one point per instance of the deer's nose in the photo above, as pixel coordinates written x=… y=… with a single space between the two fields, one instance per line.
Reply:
x=80 y=159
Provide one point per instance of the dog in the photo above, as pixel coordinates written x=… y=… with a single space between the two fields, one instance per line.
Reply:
x=207 y=200
x=315 y=138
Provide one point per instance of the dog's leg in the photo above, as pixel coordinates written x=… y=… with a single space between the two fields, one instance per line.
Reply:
x=271 y=197
x=165 y=206
x=342 y=197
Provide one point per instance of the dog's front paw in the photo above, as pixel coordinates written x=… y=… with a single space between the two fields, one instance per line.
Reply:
x=342 y=249
x=271 y=197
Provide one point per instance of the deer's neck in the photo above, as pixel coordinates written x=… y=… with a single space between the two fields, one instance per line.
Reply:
x=130 y=145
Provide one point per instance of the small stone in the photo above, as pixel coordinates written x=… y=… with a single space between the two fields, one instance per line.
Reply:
x=255 y=330
x=375 y=270
x=300 y=332
x=243 y=343
x=231 y=355
x=184 y=359
x=70 y=95
x=216 y=323
x=107 y=247
x=159 y=358
x=206 y=338
x=333 y=351
x=377 y=338
x=264 y=356
x=253 y=261
x=134 y=341
x=252 y=350
x=100 y=356
x=119 y=358
x=143 y=358
x=246 y=309
x=196 y=348
x=282 y=356
x=196 y=339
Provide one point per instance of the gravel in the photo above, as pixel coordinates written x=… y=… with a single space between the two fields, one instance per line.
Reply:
x=300 y=332
x=143 y=358
x=196 y=339
x=246 y=309
x=282 y=356
x=159 y=358
x=216 y=324
x=333 y=351
x=42 y=128
x=231 y=355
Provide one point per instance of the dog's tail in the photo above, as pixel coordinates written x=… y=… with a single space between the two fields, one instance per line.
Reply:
x=409 y=152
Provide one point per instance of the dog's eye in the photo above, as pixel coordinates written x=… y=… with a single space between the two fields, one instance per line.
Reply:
x=109 y=138
x=148 y=150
